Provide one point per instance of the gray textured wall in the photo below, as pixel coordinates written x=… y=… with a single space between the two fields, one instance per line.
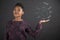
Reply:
x=50 y=30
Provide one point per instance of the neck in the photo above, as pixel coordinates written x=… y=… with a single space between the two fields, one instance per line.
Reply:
x=18 y=19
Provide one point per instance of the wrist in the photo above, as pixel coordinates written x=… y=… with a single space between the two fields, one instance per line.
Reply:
x=40 y=22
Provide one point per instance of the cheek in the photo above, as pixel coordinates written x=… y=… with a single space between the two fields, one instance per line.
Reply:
x=13 y=12
x=20 y=13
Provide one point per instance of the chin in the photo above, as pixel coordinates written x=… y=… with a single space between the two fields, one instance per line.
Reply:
x=17 y=16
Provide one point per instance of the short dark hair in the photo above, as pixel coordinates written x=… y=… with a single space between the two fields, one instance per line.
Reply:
x=19 y=4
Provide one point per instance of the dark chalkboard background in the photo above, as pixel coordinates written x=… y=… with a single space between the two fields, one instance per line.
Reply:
x=50 y=30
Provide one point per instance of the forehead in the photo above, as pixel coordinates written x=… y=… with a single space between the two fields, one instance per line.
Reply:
x=17 y=7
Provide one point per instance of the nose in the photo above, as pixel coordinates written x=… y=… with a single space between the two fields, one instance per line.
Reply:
x=16 y=12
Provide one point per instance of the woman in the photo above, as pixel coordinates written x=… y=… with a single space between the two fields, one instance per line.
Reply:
x=17 y=28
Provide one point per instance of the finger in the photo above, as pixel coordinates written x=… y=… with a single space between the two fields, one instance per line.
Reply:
x=47 y=20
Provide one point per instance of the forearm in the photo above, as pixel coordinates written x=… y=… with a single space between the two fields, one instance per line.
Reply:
x=38 y=29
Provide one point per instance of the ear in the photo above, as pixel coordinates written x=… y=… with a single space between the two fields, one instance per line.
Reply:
x=23 y=12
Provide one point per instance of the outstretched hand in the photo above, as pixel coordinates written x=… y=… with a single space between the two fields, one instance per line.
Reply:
x=43 y=21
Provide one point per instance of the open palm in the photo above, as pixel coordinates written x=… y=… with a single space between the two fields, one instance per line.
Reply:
x=44 y=21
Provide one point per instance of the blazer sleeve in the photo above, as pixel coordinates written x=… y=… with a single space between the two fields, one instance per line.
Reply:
x=6 y=36
x=35 y=32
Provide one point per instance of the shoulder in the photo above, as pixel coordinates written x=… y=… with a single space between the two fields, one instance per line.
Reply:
x=9 y=22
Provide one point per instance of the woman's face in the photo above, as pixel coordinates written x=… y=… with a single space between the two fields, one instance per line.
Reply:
x=18 y=11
